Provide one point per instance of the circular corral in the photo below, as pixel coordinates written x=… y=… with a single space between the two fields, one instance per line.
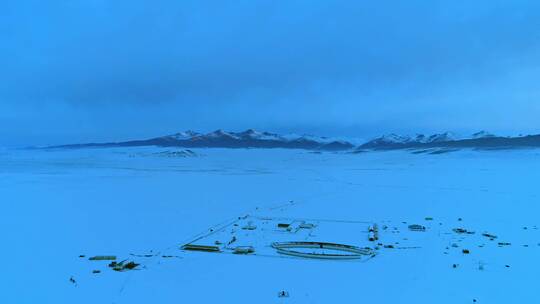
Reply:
x=351 y=252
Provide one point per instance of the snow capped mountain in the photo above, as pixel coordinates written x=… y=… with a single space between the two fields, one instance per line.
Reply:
x=446 y=136
x=224 y=139
x=184 y=135
x=256 y=139
x=482 y=134
x=219 y=134
x=252 y=134
x=394 y=140
x=450 y=141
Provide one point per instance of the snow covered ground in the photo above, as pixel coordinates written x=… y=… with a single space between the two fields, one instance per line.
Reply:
x=58 y=205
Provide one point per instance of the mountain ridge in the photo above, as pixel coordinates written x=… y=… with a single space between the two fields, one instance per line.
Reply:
x=256 y=139
x=479 y=140
x=223 y=139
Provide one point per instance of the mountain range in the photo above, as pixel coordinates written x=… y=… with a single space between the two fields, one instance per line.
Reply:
x=255 y=139
x=479 y=140
x=222 y=139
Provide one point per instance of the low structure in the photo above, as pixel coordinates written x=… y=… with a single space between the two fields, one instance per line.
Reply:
x=352 y=252
x=207 y=248
x=244 y=250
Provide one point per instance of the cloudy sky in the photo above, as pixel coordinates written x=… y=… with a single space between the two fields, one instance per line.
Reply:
x=99 y=70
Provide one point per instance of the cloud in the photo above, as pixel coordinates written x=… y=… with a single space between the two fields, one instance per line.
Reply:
x=319 y=62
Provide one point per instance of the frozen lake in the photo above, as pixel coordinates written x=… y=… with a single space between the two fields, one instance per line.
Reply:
x=58 y=205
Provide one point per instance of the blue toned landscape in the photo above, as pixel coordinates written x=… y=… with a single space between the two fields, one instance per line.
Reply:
x=269 y=152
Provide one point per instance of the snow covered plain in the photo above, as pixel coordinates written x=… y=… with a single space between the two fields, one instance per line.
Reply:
x=57 y=205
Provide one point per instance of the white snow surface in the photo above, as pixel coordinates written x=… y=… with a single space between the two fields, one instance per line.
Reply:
x=59 y=204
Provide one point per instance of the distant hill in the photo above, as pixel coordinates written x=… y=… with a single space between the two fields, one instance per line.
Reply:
x=480 y=140
x=435 y=144
x=222 y=139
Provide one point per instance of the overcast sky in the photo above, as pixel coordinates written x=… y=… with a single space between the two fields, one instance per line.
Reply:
x=99 y=70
